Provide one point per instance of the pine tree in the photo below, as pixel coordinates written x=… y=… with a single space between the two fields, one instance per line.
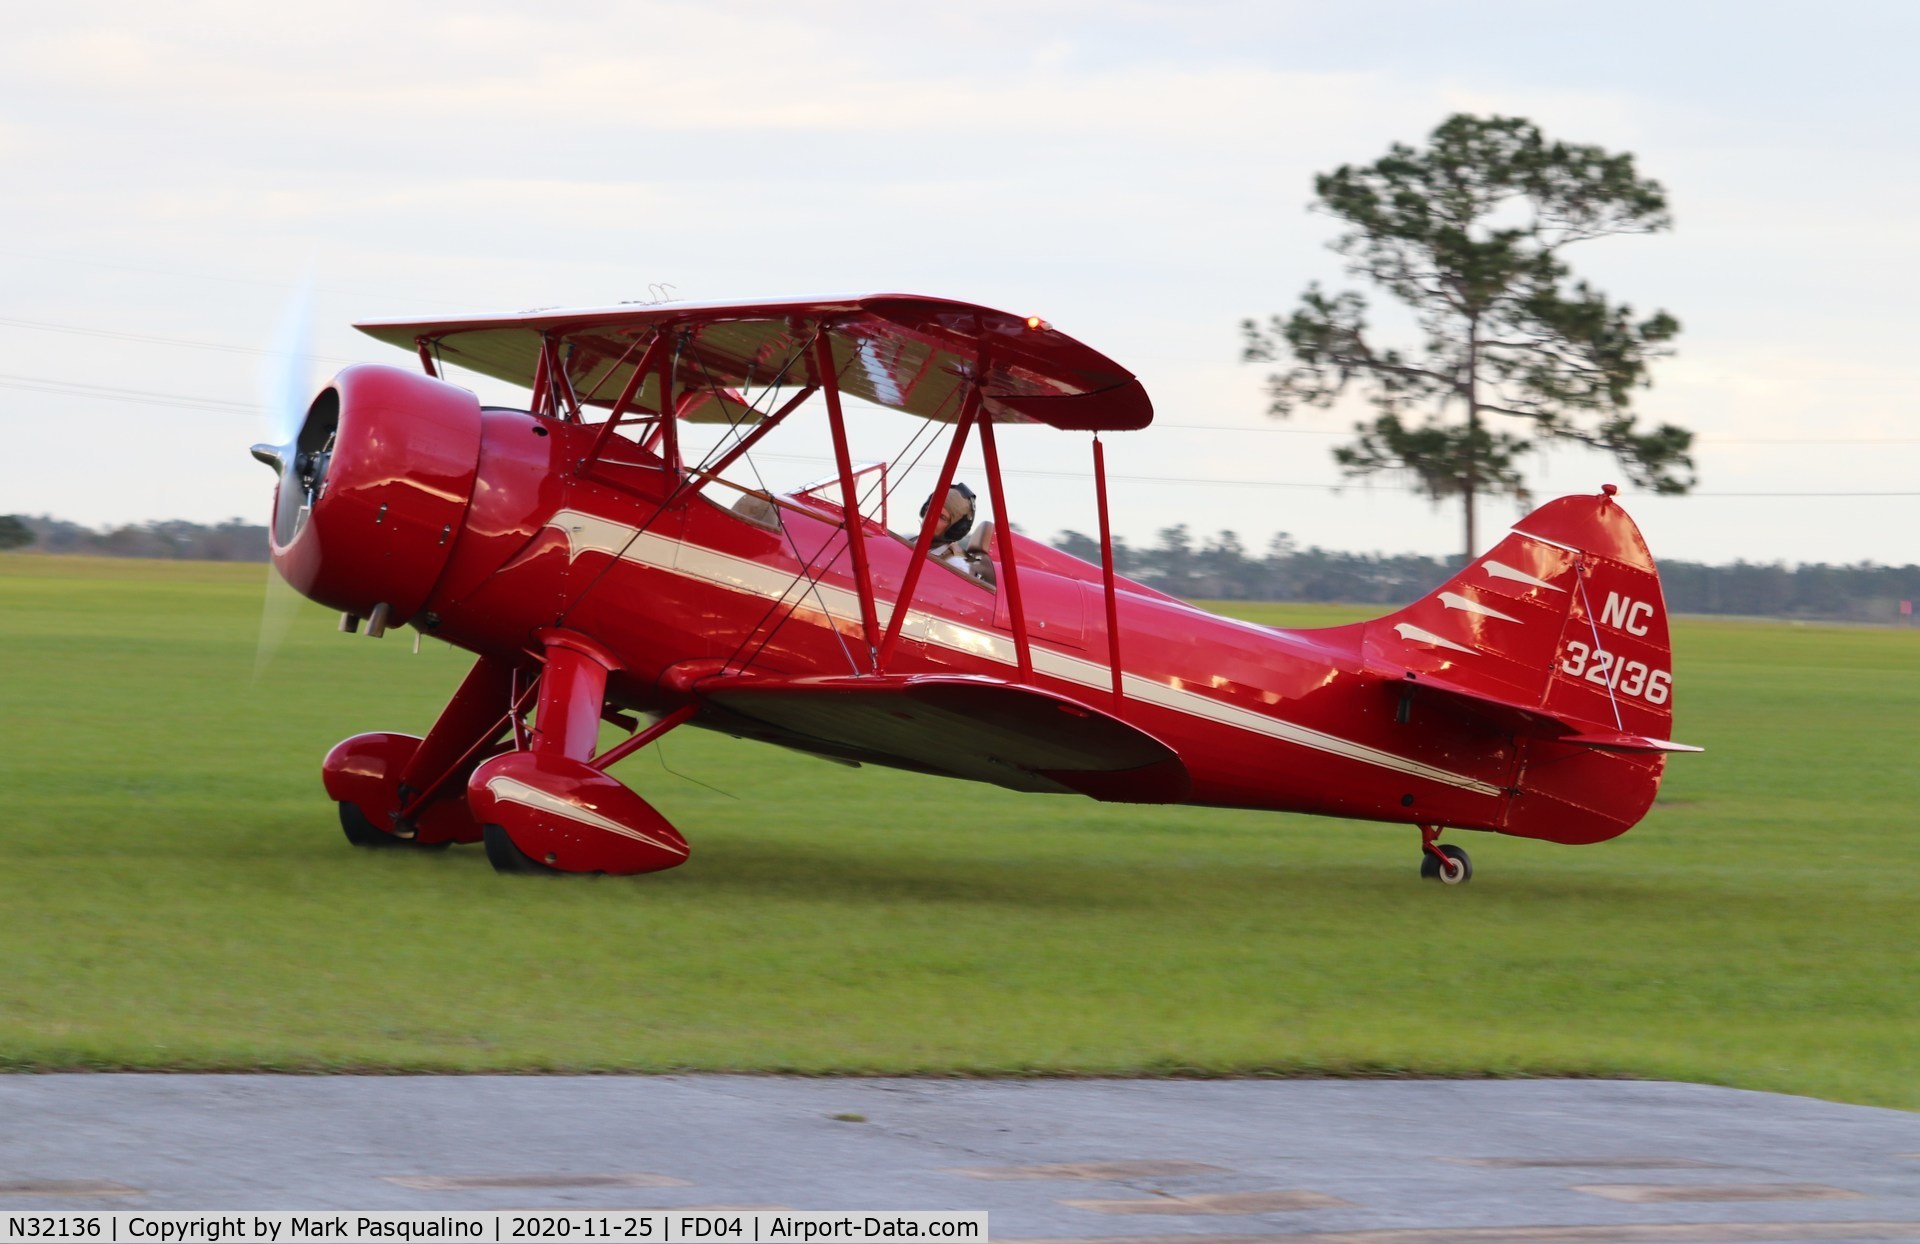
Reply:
x=1468 y=234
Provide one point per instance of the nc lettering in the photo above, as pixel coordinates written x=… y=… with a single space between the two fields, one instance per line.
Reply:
x=1626 y=613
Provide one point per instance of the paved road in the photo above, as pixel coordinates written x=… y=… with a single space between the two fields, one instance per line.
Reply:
x=1400 y=1162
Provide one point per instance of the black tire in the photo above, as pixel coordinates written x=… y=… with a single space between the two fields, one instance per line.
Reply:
x=507 y=858
x=362 y=832
x=1459 y=874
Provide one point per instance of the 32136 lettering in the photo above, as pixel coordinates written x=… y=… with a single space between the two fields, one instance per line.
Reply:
x=1627 y=677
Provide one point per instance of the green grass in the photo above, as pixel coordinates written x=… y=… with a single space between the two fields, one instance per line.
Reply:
x=176 y=892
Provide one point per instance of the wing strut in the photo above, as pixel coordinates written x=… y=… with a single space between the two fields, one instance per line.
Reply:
x=1106 y=565
x=553 y=394
x=923 y=545
x=850 y=503
x=540 y=390
x=669 y=428
x=654 y=349
x=1003 y=533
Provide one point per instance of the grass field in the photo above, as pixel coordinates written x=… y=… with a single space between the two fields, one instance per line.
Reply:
x=176 y=892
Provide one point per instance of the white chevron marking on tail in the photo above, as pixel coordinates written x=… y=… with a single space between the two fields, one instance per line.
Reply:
x=1409 y=631
x=1453 y=600
x=1500 y=571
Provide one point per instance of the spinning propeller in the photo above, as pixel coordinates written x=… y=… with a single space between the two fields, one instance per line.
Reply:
x=298 y=451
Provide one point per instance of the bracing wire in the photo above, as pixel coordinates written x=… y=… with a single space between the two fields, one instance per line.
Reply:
x=1594 y=628
x=811 y=580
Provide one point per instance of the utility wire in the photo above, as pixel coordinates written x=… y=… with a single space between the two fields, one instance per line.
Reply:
x=1215 y=481
x=215 y=277
x=1705 y=437
x=223 y=347
x=35 y=384
x=227 y=348
x=38 y=384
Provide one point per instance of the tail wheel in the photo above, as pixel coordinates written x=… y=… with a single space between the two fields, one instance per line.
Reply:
x=362 y=832
x=1452 y=866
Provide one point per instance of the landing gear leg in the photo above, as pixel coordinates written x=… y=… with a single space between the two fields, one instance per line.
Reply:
x=465 y=734
x=551 y=807
x=1447 y=864
x=401 y=790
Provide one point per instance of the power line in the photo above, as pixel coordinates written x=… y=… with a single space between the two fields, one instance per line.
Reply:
x=1235 y=427
x=1217 y=481
x=224 y=347
x=1707 y=438
x=212 y=276
x=1659 y=496
x=42 y=326
x=38 y=384
x=35 y=384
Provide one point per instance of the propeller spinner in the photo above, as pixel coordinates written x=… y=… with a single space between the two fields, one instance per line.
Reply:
x=302 y=465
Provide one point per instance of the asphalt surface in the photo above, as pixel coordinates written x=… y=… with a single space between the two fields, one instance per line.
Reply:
x=1394 y=1162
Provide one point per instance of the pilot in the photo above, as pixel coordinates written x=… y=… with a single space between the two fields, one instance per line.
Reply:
x=956 y=541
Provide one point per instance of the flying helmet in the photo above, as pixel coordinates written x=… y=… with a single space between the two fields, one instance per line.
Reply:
x=959 y=527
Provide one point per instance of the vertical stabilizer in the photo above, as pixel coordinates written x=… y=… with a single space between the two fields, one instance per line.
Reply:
x=1559 y=634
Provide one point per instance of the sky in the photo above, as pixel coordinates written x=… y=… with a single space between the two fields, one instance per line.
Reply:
x=1136 y=173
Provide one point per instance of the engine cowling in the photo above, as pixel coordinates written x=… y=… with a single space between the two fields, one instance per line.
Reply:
x=374 y=490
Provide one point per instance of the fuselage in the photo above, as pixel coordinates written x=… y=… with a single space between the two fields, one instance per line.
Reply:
x=676 y=585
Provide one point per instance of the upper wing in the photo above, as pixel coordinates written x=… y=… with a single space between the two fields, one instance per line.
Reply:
x=902 y=351
x=954 y=725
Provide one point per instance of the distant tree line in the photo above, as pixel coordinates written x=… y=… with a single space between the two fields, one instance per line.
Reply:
x=1860 y=593
x=1217 y=568
x=232 y=541
x=1221 y=568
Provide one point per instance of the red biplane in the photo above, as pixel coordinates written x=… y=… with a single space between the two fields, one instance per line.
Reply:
x=599 y=575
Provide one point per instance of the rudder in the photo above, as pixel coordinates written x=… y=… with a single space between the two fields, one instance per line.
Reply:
x=1559 y=634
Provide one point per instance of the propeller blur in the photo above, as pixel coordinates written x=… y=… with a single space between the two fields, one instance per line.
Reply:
x=286 y=387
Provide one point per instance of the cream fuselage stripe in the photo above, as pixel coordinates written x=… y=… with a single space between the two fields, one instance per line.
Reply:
x=587 y=532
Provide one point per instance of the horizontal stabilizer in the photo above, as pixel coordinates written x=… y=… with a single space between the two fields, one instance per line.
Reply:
x=1508 y=714
x=954 y=725
x=1539 y=722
